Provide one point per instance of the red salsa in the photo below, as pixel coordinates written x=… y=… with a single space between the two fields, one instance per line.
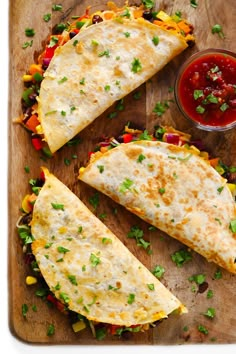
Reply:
x=207 y=90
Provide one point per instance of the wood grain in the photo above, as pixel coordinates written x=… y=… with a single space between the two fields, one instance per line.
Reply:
x=33 y=328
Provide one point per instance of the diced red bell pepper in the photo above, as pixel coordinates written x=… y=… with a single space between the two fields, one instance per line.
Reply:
x=127 y=138
x=37 y=143
x=113 y=329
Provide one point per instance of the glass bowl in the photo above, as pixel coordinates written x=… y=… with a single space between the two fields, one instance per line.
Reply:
x=205 y=89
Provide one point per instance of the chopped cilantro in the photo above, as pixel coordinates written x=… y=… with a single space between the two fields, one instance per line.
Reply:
x=64 y=297
x=151 y=287
x=24 y=309
x=104 y=53
x=136 y=66
x=57 y=206
x=62 y=80
x=141 y=158
x=232 y=225
x=131 y=298
x=220 y=189
x=162 y=190
x=209 y=294
x=200 y=109
x=72 y=279
x=217 y=274
x=47 y=17
x=56 y=7
x=155 y=40
x=197 y=94
x=158 y=271
x=62 y=249
x=217 y=29
x=27 y=44
x=27 y=169
x=137 y=233
x=210 y=312
x=53 y=42
x=145 y=136
x=137 y=95
x=94 y=200
x=202 y=329
x=194 y=3
x=94 y=260
x=198 y=278
x=148 y=3
x=161 y=107
x=185 y=328
x=224 y=107
x=101 y=333
x=29 y=32
x=51 y=330
x=127 y=34
x=181 y=257
x=126 y=185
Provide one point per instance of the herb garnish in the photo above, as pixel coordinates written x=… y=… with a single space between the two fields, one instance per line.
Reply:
x=72 y=279
x=137 y=233
x=47 y=17
x=136 y=66
x=155 y=40
x=217 y=274
x=151 y=287
x=198 y=278
x=202 y=329
x=181 y=257
x=148 y=3
x=50 y=330
x=161 y=107
x=94 y=260
x=62 y=80
x=94 y=200
x=217 y=29
x=29 y=32
x=56 y=7
x=158 y=271
x=62 y=249
x=57 y=206
x=64 y=297
x=24 y=309
x=209 y=294
x=194 y=3
x=141 y=158
x=131 y=298
x=210 y=312
x=126 y=185
x=232 y=225
x=104 y=53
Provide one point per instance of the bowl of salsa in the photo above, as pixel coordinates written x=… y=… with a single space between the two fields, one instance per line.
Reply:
x=205 y=89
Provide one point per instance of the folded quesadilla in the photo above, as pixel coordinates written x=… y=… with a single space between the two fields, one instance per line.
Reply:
x=87 y=267
x=172 y=188
x=97 y=60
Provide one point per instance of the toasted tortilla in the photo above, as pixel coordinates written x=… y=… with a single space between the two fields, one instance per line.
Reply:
x=88 y=267
x=97 y=67
x=173 y=189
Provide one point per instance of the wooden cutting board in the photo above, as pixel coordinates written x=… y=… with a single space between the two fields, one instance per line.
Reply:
x=175 y=330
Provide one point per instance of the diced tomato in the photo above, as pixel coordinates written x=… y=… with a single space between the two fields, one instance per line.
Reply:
x=42 y=176
x=127 y=138
x=113 y=329
x=32 y=123
x=37 y=143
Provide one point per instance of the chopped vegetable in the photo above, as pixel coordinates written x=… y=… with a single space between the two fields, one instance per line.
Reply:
x=210 y=312
x=51 y=330
x=198 y=278
x=158 y=271
x=202 y=329
x=181 y=257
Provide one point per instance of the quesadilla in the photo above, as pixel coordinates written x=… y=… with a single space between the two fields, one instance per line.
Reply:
x=172 y=188
x=98 y=59
x=88 y=268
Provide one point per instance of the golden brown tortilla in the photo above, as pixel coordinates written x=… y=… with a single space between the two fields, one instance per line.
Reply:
x=109 y=284
x=97 y=67
x=173 y=189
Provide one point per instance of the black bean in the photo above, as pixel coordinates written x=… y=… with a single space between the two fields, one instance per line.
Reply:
x=96 y=19
x=147 y=15
x=72 y=34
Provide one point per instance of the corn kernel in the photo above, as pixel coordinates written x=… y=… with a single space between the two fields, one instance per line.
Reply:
x=78 y=326
x=27 y=78
x=30 y=280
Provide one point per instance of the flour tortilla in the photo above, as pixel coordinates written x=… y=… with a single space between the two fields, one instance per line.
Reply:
x=106 y=276
x=173 y=189
x=102 y=58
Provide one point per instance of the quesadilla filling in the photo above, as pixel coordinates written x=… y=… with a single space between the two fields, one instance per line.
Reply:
x=63 y=33
x=169 y=135
x=78 y=321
